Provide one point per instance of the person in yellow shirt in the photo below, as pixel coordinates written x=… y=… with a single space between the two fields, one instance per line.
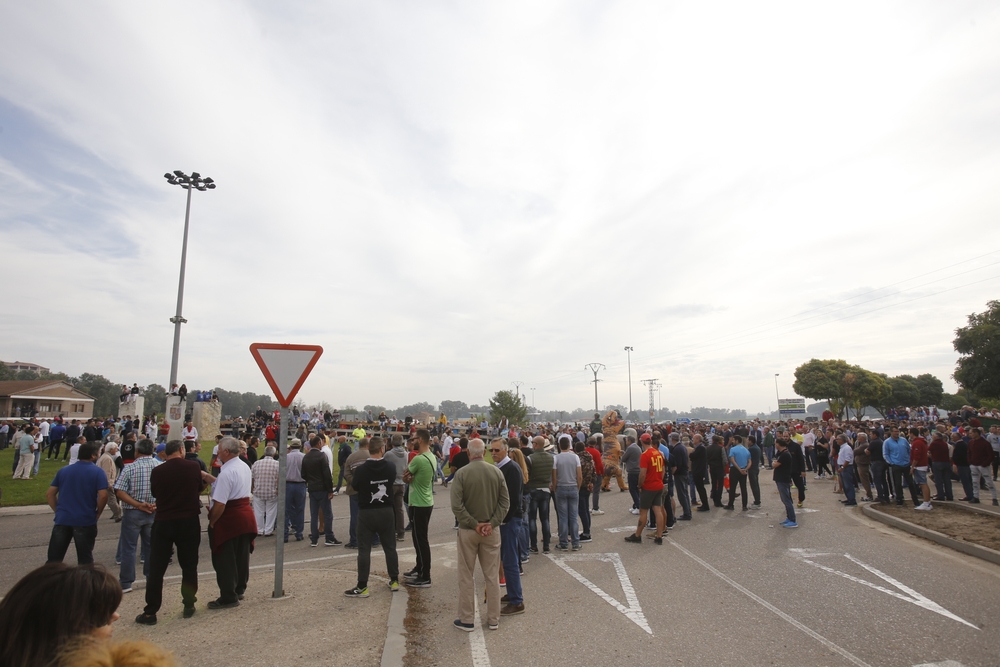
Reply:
x=358 y=433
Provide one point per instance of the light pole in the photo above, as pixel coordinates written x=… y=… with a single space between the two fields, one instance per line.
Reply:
x=533 y=399
x=189 y=183
x=595 y=367
x=628 y=355
x=776 y=394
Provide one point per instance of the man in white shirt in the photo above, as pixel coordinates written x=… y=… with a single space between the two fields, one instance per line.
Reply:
x=189 y=432
x=232 y=526
x=845 y=462
x=74 y=451
x=808 y=440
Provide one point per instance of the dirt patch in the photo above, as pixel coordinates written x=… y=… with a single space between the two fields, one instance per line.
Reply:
x=419 y=651
x=955 y=522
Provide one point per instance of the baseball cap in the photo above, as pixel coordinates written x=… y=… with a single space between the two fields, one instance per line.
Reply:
x=646 y=437
x=160 y=447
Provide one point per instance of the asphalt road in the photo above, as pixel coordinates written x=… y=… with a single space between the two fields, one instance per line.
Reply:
x=726 y=587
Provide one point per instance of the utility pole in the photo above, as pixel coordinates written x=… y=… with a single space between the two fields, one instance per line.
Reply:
x=517 y=389
x=594 y=368
x=628 y=355
x=776 y=393
x=651 y=384
x=533 y=399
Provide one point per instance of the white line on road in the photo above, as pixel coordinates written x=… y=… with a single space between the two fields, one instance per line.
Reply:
x=633 y=611
x=912 y=596
x=477 y=642
x=770 y=607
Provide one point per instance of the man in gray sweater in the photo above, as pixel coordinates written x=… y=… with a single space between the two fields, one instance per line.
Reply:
x=397 y=456
x=630 y=462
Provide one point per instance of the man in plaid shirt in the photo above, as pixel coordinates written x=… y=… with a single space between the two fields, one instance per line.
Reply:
x=138 y=507
x=265 y=492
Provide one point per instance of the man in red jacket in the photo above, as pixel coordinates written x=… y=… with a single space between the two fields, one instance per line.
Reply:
x=980 y=460
x=599 y=470
x=919 y=464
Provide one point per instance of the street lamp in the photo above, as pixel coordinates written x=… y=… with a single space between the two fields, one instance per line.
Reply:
x=189 y=183
x=776 y=394
x=628 y=354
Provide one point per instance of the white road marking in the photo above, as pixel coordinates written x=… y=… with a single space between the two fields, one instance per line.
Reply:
x=633 y=611
x=621 y=529
x=911 y=596
x=946 y=663
x=477 y=642
x=770 y=607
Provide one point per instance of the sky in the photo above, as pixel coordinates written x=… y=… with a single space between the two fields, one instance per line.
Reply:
x=451 y=197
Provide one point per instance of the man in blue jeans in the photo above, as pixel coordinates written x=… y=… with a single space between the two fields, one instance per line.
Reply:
x=783 y=469
x=138 y=508
x=295 y=491
x=77 y=495
x=509 y=528
x=319 y=483
x=540 y=464
x=567 y=477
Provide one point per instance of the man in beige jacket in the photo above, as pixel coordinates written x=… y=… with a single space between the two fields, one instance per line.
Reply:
x=107 y=464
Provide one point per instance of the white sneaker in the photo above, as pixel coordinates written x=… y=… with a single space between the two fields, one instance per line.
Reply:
x=597 y=512
x=633 y=511
x=924 y=507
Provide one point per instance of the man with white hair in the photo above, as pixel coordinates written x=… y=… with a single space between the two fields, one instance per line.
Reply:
x=107 y=464
x=232 y=526
x=264 y=474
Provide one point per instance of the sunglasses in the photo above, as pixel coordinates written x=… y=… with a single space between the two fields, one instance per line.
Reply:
x=496 y=450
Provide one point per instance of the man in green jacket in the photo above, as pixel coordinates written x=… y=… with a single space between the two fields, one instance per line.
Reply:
x=480 y=501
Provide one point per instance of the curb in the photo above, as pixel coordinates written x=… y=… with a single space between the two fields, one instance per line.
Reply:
x=25 y=510
x=969 y=548
x=395 y=637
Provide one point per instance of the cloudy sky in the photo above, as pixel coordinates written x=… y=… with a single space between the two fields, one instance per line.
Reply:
x=449 y=197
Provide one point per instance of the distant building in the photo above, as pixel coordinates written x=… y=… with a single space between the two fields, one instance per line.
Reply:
x=25 y=366
x=44 y=398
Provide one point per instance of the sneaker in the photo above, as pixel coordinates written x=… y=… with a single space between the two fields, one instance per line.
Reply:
x=533 y=550
x=393 y=585
x=146 y=619
x=996 y=503
x=545 y=550
x=657 y=540
x=411 y=574
x=525 y=559
x=350 y=545
x=634 y=539
x=467 y=627
x=633 y=511
x=493 y=626
x=357 y=592
x=924 y=507
x=219 y=604
x=597 y=512
x=188 y=612
x=577 y=547
x=790 y=524
x=562 y=547
x=503 y=581
x=127 y=590
x=512 y=609
x=799 y=504
x=333 y=543
x=314 y=544
x=419 y=583
x=585 y=537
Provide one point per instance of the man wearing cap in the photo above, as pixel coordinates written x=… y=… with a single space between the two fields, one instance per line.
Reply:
x=265 y=492
x=540 y=464
x=295 y=490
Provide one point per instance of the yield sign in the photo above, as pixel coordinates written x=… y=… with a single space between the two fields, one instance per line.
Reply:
x=632 y=611
x=285 y=367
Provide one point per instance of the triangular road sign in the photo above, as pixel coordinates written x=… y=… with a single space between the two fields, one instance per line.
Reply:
x=285 y=367
x=633 y=611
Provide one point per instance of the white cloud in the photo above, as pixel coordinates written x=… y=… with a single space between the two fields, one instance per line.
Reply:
x=449 y=198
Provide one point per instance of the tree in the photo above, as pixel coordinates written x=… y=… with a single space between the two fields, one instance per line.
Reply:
x=375 y=409
x=843 y=385
x=155 y=399
x=508 y=404
x=410 y=410
x=930 y=388
x=904 y=393
x=453 y=409
x=978 y=368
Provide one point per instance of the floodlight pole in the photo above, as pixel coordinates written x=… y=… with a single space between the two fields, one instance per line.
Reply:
x=279 y=541
x=189 y=183
x=628 y=354
x=776 y=394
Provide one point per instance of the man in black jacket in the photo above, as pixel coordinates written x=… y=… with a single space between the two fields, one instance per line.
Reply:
x=319 y=483
x=715 y=456
x=699 y=470
x=509 y=529
x=373 y=481
x=798 y=464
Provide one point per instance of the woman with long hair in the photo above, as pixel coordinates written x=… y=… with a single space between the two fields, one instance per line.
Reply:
x=53 y=605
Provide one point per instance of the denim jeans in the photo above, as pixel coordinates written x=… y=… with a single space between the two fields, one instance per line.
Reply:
x=83 y=537
x=965 y=477
x=597 y=494
x=319 y=501
x=681 y=489
x=567 y=504
x=136 y=524
x=847 y=483
x=942 y=479
x=539 y=509
x=524 y=539
x=295 y=508
x=509 y=558
x=785 y=492
x=633 y=488
x=583 y=511
x=353 y=529
x=882 y=491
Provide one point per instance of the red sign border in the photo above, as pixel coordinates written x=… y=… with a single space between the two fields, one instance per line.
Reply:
x=284 y=401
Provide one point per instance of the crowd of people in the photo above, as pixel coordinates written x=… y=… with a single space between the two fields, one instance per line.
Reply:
x=502 y=484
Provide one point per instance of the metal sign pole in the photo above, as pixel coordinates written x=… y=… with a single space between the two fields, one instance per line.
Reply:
x=279 y=535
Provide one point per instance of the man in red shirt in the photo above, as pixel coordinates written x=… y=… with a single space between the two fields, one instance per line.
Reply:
x=651 y=467
x=599 y=472
x=980 y=460
x=941 y=466
x=919 y=463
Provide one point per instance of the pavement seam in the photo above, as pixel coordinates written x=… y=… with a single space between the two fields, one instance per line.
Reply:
x=394 y=650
